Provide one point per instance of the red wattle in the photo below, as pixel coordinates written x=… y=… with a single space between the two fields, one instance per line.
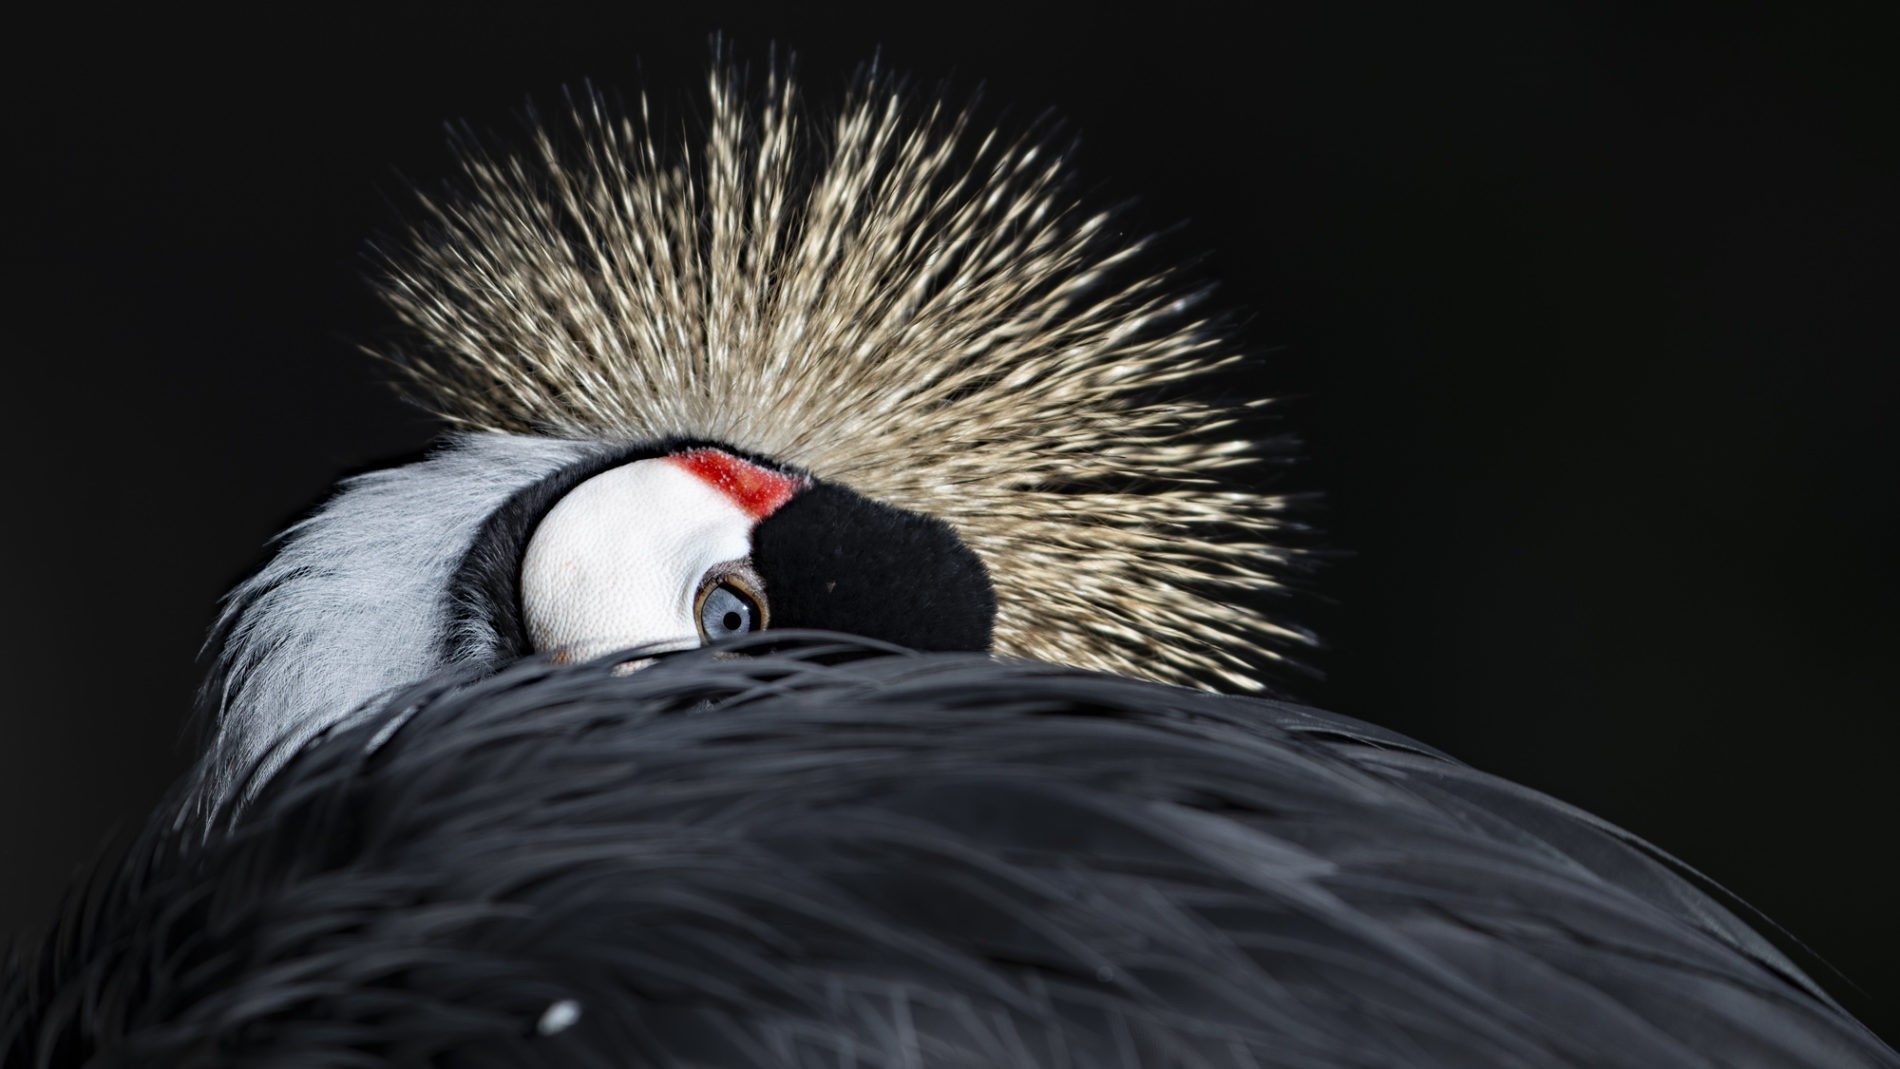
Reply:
x=759 y=491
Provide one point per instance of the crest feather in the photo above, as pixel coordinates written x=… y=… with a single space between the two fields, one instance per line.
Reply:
x=902 y=305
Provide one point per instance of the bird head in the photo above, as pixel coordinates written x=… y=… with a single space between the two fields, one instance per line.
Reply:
x=889 y=380
x=668 y=548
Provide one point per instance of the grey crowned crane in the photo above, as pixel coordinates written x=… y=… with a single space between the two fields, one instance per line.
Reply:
x=545 y=750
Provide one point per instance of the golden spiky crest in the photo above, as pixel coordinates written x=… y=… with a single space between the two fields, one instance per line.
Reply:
x=903 y=307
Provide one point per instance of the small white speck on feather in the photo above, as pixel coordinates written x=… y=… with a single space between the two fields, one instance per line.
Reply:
x=558 y=1017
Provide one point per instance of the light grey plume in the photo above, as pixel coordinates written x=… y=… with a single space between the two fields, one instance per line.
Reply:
x=353 y=602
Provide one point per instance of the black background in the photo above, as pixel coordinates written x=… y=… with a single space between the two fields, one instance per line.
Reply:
x=1586 y=317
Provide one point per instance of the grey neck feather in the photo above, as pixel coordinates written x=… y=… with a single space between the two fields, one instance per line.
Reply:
x=354 y=602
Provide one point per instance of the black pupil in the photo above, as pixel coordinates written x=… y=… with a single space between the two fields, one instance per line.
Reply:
x=727 y=612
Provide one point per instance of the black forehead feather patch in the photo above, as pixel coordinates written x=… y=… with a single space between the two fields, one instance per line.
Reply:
x=835 y=561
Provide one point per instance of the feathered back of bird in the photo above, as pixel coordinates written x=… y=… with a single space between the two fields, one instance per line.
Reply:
x=897 y=304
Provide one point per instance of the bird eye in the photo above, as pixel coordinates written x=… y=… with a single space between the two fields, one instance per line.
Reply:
x=728 y=606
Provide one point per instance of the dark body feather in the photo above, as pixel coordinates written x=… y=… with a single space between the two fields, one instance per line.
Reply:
x=829 y=855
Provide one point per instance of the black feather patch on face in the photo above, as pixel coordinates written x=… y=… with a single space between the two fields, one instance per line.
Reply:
x=835 y=561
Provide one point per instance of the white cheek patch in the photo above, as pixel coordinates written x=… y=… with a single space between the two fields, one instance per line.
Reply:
x=616 y=563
